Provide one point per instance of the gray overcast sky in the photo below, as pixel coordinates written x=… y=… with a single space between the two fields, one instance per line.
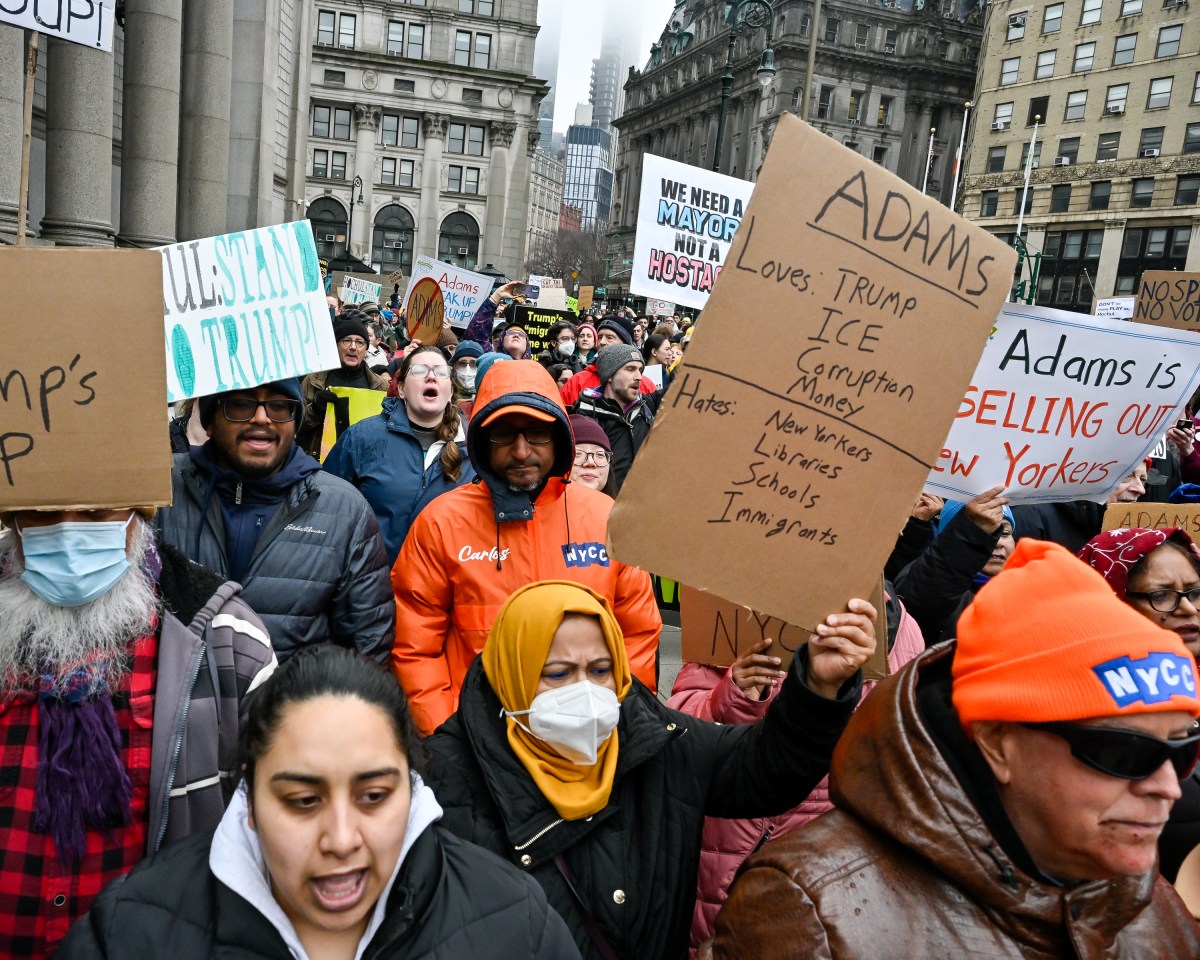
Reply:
x=582 y=22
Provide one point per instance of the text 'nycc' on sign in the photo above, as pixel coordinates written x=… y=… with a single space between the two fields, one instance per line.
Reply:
x=243 y=309
x=876 y=302
x=462 y=290
x=1063 y=405
x=83 y=412
x=687 y=219
x=86 y=22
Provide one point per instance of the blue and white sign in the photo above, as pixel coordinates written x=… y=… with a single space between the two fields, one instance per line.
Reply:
x=462 y=290
x=243 y=309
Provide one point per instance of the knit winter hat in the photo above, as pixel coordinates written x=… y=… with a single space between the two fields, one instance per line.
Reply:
x=1113 y=553
x=484 y=364
x=613 y=357
x=622 y=327
x=467 y=348
x=1046 y=639
x=587 y=430
x=350 y=323
x=290 y=388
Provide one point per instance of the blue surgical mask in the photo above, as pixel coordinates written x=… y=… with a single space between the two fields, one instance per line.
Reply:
x=69 y=564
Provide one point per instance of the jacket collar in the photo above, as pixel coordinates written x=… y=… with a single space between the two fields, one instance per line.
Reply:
x=889 y=771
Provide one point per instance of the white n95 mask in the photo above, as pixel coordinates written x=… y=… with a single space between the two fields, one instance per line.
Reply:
x=575 y=720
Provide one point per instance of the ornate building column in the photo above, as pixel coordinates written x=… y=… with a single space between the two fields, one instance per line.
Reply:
x=79 y=109
x=150 y=121
x=493 y=245
x=205 y=105
x=366 y=119
x=433 y=128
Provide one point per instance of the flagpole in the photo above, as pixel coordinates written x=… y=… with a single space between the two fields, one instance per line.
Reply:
x=1028 y=173
x=928 y=159
x=962 y=138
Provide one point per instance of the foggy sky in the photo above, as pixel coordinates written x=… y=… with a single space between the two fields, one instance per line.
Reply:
x=582 y=23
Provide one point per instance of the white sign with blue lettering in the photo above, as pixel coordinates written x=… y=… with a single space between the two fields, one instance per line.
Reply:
x=244 y=309
x=462 y=290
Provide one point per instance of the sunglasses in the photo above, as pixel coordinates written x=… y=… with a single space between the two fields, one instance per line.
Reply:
x=1127 y=754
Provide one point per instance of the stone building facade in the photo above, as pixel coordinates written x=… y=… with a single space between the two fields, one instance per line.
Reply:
x=545 y=199
x=188 y=128
x=885 y=74
x=1116 y=85
x=422 y=131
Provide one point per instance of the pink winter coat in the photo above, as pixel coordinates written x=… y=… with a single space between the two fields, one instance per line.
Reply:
x=710 y=694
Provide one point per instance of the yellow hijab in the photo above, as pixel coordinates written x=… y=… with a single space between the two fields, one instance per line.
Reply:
x=513 y=658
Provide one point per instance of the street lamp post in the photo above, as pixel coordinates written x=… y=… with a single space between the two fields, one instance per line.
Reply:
x=745 y=14
x=355 y=187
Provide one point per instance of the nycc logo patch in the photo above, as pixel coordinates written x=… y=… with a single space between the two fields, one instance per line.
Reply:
x=585 y=554
x=1153 y=679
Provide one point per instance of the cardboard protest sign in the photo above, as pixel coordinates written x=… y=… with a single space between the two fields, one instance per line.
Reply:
x=86 y=22
x=687 y=219
x=1154 y=516
x=244 y=309
x=537 y=322
x=1062 y=405
x=586 y=294
x=359 y=291
x=1114 y=308
x=462 y=290
x=83 y=405
x=425 y=311
x=804 y=460
x=395 y=277
x=353 y=404
x=716 y=632
x=1169 y=299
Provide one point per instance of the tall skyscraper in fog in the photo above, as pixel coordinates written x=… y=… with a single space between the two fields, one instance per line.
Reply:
x=545 y=63
x=618 y=52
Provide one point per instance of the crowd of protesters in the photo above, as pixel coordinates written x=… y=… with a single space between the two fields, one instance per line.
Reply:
x=372 y=687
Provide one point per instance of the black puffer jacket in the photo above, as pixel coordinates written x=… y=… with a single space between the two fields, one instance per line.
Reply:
x=634 y=863
x=1070 y=524
x=451 y=901
x=318 y=572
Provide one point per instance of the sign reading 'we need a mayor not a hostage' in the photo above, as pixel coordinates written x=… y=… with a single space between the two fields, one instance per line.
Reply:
x=243 y=309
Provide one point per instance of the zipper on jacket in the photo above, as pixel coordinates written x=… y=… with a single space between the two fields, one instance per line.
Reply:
x=237 y=494
x=187 y=702
x=538 y=836
x=763 y=839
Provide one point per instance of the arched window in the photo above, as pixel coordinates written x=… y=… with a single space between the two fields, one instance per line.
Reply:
x=392 y=241
x=458 y=243
x=328 y=218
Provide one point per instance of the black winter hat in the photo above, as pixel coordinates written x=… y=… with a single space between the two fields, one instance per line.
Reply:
x=350 y=323
x=621 y=326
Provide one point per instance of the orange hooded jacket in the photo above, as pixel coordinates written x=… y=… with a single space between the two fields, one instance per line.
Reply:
x=469 y=549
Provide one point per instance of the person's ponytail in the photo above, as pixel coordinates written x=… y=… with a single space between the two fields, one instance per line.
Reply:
x=447 y=432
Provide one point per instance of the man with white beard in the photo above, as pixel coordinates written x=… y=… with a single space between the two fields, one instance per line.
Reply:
x=124 y=671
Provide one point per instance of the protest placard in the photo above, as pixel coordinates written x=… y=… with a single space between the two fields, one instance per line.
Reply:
x=352 y=404
x=86 y=22
x=395 y=277
x=537 y=322
x=425 y=311
x=586 y=294
x=356 y=290
x=716 y=632
x=546 y=292
x=1154 y=516
x=1114 y=308
x=462 y=290
x=1062 y=405
x=804 y=459
x=687 y=219
x=83 y=416
x=659 y=308
x=1167 y=298
x=243 y=309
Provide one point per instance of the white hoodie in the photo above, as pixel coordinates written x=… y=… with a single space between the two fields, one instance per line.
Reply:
x=236 y=859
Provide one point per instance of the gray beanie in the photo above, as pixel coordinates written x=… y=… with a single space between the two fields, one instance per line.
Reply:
x=613 y=357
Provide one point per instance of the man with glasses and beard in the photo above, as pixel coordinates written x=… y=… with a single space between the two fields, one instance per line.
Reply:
x=305 y=545
x=521 y=520
x=1002 y=796
x=353 y=343
x=124 y=668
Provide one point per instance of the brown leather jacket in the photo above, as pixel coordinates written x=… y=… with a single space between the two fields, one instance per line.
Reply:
x=906 y=866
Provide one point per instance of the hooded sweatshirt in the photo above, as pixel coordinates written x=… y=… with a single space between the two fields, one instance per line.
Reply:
x=236 y=860
x=472 y=547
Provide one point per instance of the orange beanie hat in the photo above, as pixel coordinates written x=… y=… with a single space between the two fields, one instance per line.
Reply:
x=1046 y=639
